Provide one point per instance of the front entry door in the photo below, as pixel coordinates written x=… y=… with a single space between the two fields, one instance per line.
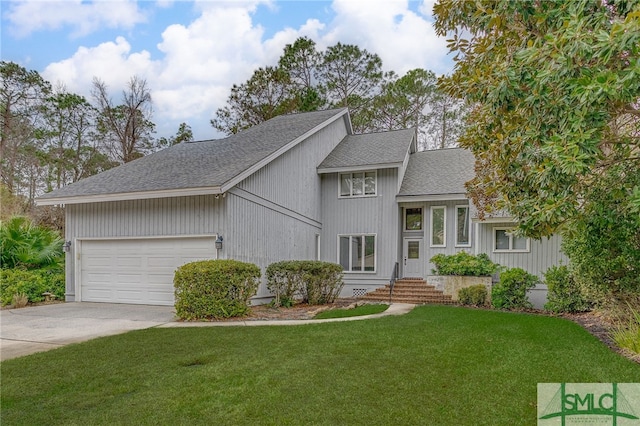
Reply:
x=413 y=258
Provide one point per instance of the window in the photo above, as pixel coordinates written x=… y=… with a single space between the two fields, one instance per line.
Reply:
x=504 y=241
x=362 y=184
x=463 y=236
x=357 y=253
x=438 y=226
x=413 y=219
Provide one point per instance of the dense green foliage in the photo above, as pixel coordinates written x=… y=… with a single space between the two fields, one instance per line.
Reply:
x=366 y=309
x=32 y=283
x=604 y=245
x=27 y=246
x=475 y=295
x=313 y=282
x=555 y=124
x=555 y=88
x=214 y=289
x=463 y=263
x=313 y=374
x=511 y=290
x=564 y=293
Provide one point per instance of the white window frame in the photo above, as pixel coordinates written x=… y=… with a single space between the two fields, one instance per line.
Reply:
x=458 y=243
x=364 y=172
x=444 y=227
x=510 y=235
x=375 y=253
x=421 y=221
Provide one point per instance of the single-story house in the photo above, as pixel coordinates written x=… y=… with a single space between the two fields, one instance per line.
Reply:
x=299 y=186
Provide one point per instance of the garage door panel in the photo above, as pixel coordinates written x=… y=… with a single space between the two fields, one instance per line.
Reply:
x=138 y=271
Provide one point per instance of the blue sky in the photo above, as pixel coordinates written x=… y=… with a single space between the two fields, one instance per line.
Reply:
x=191 y=52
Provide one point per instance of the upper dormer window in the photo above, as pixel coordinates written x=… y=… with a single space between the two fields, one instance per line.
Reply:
x=359 y=184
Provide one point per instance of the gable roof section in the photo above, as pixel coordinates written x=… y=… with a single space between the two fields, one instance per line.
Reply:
x=196 y=168
x=377 y=150
x=438 y=174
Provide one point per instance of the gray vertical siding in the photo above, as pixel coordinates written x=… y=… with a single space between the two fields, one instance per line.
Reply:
x=181 y=216
x=542 y=255
x=367 y=215
x=291 y=180
x=276 y=215
x=278 y=218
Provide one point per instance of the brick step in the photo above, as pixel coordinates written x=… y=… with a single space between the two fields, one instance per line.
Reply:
x=446 y=300
x=410 y=290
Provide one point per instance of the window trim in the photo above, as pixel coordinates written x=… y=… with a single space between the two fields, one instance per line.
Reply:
x=375 y=177
x=458 y=243
x=509 y=234
x=404 y=228
x=444 y=227
x=375 y=252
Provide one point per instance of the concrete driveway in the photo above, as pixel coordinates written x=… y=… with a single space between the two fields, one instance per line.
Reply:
x=40 y=328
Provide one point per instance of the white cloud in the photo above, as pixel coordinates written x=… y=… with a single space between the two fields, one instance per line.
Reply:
x=403 y=39
x=199 y=61
x=112 y=62
x=28 y=16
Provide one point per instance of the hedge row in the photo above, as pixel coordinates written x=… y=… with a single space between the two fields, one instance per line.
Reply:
x=33 y=283
x=313 y=282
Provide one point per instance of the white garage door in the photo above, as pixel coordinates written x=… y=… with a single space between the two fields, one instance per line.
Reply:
x=137 y=271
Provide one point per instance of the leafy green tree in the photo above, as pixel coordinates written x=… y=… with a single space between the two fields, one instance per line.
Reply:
x=69 y=137
x=24 y=245
x=349 y=77
x=402 y=102
x=184 y=134
x=268 y=93
x=444 y=123
x=556 y=95
x=301 y=61
x=21 y=94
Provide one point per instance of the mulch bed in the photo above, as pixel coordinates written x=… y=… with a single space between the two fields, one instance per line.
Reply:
x=300 y=311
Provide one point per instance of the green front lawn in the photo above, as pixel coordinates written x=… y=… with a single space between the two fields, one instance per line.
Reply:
x=435 y=365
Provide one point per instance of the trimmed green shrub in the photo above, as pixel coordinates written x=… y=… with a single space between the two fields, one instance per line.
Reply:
x=475 y=295
x=32 y=283
x=511 y=291
x=463 y=263
x=312 y=281
x=564 y=293
x=214 y=289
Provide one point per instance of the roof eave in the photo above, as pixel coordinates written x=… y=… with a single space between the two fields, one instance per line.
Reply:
x=124 y=196
x=401 y=198
x=342 y=169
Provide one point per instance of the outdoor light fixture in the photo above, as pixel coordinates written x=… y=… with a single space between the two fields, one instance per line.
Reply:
x=66 y=246
x=219 y=242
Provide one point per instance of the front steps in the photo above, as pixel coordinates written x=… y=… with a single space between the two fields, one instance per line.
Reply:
x=410 y=290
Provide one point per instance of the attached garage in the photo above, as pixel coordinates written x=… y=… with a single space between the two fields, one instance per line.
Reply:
x=135 y=270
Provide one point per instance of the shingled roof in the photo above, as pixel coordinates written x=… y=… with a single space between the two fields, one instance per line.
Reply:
x=210 y=166
x=381 y=150
x=437 y=173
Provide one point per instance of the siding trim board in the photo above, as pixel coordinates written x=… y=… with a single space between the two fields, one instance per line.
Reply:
x=241 y=193
x=128 y=196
